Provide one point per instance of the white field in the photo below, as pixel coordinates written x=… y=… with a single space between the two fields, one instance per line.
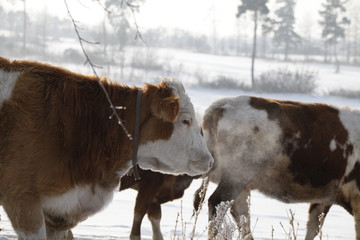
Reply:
x=114 y=222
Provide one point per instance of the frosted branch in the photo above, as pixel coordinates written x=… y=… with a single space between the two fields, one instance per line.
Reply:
x=93 y=66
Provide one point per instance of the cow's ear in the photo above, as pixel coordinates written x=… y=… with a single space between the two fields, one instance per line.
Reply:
x=166 y=108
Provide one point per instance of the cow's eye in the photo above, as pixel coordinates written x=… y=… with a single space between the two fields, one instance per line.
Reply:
x=185 y=119
x=186 y=122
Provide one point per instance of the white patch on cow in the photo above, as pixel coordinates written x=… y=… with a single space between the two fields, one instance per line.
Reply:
x=155 y=225
x=242 y=150
x=350 y=119
x=40 y=235
x=7 y=83
x=85 y=200
x=332 y=145
x=185 y=151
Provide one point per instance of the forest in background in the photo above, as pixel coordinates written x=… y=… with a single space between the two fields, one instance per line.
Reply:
x=277 y=38
x=265 y=29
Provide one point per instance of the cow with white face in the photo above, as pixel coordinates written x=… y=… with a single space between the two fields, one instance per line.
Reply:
x=185 y=136
x=61 y=157
x=291 y=151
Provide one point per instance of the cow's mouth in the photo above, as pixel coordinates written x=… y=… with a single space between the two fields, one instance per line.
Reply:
x=199 y=167
x=155 y=165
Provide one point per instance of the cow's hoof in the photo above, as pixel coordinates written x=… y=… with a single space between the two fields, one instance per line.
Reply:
x=133 y=237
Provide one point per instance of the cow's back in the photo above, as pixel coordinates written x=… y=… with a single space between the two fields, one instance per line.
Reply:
x=288 y=150
x=233 y=130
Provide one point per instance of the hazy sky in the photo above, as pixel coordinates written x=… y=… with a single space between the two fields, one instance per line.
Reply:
x=198 y=16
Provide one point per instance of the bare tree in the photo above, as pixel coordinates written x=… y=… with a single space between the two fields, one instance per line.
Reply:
x=258 y=7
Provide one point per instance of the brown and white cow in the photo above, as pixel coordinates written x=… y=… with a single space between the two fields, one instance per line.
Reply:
x=290 y=151
x=153 y=189
x=61 y=157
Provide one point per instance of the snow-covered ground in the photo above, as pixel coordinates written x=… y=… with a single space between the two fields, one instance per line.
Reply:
x=239 y=68
x=114 y=222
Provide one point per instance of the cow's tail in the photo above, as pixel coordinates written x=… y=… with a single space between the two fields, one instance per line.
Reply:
x=199 y=196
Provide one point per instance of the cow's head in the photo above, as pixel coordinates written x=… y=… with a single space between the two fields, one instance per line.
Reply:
x=179 y=147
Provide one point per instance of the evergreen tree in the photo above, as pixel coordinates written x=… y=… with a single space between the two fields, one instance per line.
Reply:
x=284 y=33
x=333 y=22
x=258 y=7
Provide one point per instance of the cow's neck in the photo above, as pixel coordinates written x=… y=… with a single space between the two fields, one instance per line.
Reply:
x=102 y=136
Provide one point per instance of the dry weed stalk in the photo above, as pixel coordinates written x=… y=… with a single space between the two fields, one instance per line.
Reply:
x=292 y=234
x=183 y=224
x=223 y=226
x=177 y=221
x=196 y=214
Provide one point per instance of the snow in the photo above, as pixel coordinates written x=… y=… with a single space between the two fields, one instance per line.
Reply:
x=239 y=68
x=115 y=221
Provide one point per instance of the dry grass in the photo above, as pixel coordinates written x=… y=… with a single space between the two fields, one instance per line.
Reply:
x=223 y=226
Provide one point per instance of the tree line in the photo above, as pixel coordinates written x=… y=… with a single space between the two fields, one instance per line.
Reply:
x=334 y=22
x=273 y=33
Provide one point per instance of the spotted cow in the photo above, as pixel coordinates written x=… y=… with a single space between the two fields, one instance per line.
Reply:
x=290 y=151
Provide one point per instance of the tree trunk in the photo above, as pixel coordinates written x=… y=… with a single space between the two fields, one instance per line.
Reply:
x=337 y=63
x=326 y=53
x=238 y=38
x=263 y=46
x=348 y=51
x=286 y=50
x=355 y=50
x=253 y=56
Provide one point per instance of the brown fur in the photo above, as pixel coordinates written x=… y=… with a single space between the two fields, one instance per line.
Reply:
x=54 y=104
x=311 y=154
x=56 y=134
x=153 y=189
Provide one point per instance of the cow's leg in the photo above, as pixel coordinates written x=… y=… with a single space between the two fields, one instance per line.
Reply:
x=59 y=235
x=26 y=216
x=149 y=187
x=154 y=215
x=240 y=212
x=140 y=210
x=355 y=205
x=225 y=191
x=317 y=213
x=70 y=235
